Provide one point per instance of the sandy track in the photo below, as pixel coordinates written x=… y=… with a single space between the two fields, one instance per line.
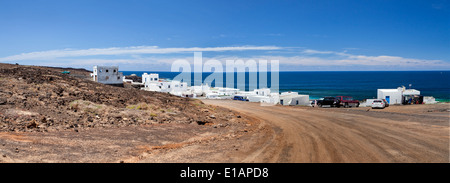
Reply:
x=303 y=134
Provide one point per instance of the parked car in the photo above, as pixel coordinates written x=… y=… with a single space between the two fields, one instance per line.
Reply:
x=347 y=101
x=241 y=98
x=386 y=104
x=331 y=101
x=378 y=104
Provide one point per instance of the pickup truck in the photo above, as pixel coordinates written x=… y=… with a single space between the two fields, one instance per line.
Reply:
x=331 y=101
x=347 y=101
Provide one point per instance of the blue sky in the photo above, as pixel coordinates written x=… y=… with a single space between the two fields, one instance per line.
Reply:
x=302 y=35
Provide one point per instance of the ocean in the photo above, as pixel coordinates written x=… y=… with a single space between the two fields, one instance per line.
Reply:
x=359 y=84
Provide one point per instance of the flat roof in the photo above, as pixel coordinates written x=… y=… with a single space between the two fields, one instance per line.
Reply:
x=389 y=90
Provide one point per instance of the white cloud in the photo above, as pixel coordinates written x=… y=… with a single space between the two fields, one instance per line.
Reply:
x=345 y=58
x=124 y=51
x=139 y=58
x=309 y=51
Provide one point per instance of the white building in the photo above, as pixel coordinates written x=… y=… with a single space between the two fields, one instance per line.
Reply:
x=396 y=96
x=109 y=75
x=262 y=92
x=177 y=88
x=201 y=90
x=392 y=96
x=293 y=98
x=227 y=91
x=273 y=98
x=151 y=82
x=257 y=98
x=261 y=95
x=219 y=92
x=150 y=78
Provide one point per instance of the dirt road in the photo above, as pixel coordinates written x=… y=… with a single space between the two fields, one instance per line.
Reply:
x=305 y=134
x=252 y=134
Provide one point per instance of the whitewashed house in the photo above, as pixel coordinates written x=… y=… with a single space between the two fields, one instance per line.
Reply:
x=262 y=92
x=177 y=87
x=396 y=96
x=274 y=98
x=150 y=78
x=201 y=90
x=392 y=96
x=151 y=82
x=293 y=98
x=258 y=95
x=109 y=75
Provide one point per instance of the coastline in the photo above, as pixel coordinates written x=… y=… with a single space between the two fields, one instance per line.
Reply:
x=335 y=83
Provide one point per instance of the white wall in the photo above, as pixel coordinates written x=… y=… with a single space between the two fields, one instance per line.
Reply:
x=395 y=95
x=257 y=98
x=262 y=92
x=152 y=87
x=289 y=93
x=201 y=90
x=107 y=75
x=293 y=99
x=177 y=88
x=150 y=78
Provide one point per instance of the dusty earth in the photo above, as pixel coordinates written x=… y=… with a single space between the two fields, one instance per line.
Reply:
x=276 y=134
x=47 y=116
x=42 y=99
x=415 y=133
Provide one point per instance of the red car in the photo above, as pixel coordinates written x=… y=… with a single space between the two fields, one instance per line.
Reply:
x=347 y=101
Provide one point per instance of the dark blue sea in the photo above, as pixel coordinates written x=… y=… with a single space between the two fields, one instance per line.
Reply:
x=359 y=84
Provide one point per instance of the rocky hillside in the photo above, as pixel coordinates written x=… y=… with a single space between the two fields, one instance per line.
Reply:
x=43 y=99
